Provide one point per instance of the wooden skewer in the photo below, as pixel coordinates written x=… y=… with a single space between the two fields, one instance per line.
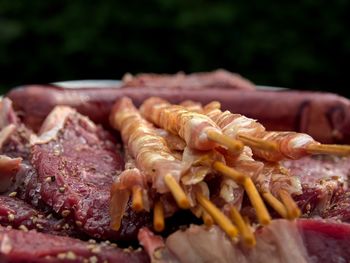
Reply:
x=158 y=217
x=275 y=204
x=207 y=219
x=232 y=145
x=258 y=143
x=217 y=216
x=177 y=192
x=254 y=197
x=243 y=228
x=292 y=208
x=238 y=177
x=137 y=200
x=248 y=225
x=253 y=194
x=316 y=148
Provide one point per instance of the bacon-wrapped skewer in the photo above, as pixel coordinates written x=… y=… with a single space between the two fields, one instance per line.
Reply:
x=198 y=130
x=264 y=179
x=238 y=177
x=282 y=185
x=269 y=145
x=153 y=157
x=149 y=150
x=195 y=129
x=270 y=181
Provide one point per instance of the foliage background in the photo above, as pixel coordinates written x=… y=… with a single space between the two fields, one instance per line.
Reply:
x=301 y=44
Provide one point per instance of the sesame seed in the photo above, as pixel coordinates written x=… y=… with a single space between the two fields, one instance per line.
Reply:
x=157 y=253
x=65 y=213
x=71 y=255
x=49 y=216
x=12 y=194
x=78 y=223
x=93 y=259
x=66 y=226
x=11 y=217
x=39 y=226
x=92 y=241
x=96 y=250
x=23 y=228
x=61 y=189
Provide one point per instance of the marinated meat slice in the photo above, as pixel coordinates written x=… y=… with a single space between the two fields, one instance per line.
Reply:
x=14 y=142
x=284 y=241
x=77 y=163
x=14 y=136
x=215 y=79
x=27 y=247
x=326 y=241
x=314 y=171
x=18 y=214
x=325 y=186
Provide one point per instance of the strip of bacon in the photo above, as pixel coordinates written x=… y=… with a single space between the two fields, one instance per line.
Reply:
x=150 y=151
x=198 y=130
x=269 y=145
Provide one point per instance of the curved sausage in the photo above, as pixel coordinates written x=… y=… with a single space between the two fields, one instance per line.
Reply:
x=325 y=116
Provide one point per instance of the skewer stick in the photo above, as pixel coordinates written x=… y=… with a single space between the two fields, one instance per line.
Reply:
x=137 y=200
x=249 y=187
x=275 y=204
x=258 y=143
x=292 y=208
x=158 y=217
x=238 y=177
x=243 y=228
x=254 y=197
x=232 y=145
x=177 y=192
x=217 y=216
x=336 y=149
x=207 y=219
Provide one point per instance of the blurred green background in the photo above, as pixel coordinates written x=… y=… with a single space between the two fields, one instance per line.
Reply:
x=302 y=44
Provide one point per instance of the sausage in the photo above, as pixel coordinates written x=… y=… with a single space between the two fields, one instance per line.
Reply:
x=325 y=116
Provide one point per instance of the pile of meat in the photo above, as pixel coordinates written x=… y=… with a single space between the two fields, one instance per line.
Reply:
x=59 y=157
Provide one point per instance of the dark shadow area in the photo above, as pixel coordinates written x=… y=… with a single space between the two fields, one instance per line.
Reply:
x=300 y=45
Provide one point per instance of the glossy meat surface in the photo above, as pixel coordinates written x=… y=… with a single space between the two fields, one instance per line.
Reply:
x=76 y=165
